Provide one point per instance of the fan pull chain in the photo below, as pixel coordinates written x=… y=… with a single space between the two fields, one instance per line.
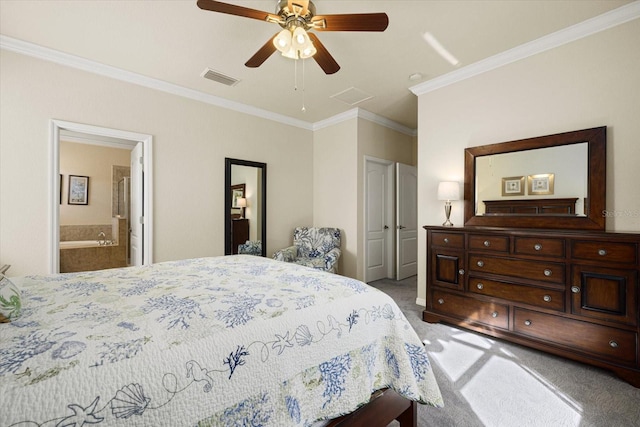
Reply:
x=304 y=109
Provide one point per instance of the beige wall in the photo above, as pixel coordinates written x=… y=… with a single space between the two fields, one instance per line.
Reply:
x=95 y=162
x=335 y=198
x=191 y=140
x=338 y=165
x=590 y=82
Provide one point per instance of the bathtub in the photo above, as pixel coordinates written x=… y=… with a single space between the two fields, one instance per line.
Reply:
x=74 y=244
x=87 y=255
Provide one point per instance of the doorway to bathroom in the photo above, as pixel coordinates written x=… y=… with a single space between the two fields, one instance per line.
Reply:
x=101 y=189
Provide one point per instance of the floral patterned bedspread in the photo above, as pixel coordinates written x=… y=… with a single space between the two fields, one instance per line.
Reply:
x=227 y=341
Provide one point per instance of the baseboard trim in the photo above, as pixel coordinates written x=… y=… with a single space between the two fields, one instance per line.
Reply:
x=421 y=301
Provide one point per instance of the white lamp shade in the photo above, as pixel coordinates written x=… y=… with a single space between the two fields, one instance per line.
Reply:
x=449 y=190
x=241 y=202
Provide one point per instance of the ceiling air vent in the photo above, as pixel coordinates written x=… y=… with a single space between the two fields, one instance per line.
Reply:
x=352 y=96
x=216 y=76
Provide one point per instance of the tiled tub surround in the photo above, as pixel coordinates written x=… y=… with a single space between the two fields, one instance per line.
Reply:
x=86 y=232
x=95 y=257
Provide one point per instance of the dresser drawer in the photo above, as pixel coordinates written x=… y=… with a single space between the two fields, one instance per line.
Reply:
x=449 y=240
x=489 y=243
x=470 y=309
x=605 y=252
x=609 y=343
x=543 y=271
x=539 y=246
x=545 y=298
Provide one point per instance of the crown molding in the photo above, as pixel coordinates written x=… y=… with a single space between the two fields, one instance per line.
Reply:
x=334 y=120
x=383 y=121
x=47 y=54
x=583 y=29
x=365 y=115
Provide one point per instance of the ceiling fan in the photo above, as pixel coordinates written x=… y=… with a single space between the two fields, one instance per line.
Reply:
x=297 y=17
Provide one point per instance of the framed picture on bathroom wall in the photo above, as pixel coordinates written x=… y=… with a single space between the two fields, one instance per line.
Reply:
x=78 y=190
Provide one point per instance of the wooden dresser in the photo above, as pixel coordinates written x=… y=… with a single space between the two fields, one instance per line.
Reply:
x=239 y=233
x=570 y=293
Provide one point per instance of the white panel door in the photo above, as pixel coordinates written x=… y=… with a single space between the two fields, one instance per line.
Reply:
x=136 y=222
x=377 y=222
x=406 y=221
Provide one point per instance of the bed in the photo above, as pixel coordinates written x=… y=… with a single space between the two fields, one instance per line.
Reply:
x=224 y=341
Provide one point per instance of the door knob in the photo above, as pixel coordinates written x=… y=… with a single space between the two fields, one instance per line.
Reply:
x=400 y=227
x=386 y=227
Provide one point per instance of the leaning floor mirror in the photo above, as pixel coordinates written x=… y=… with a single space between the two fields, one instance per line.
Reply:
x=245 y=205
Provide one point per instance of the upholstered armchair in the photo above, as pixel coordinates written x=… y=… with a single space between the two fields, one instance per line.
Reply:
x=313 y=247
x=250 y=248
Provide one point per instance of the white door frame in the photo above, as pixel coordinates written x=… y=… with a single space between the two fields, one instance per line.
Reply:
x=130 y=139
x=389 y=206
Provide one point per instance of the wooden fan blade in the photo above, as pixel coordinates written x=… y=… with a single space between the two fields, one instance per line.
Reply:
x=232 y=9
x=262 y=54
x=351 y=22
x=323 y=57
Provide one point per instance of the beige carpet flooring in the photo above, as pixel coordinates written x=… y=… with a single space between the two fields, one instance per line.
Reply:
x=489 y=382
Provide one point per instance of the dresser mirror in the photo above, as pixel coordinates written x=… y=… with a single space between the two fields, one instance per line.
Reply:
x=247 y=180
x=553 y=181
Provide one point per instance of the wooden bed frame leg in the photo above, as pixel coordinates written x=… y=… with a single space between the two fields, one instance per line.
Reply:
x=384 y=407
x=409 y=418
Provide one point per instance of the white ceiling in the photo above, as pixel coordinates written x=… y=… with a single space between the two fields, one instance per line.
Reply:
x=174 y=41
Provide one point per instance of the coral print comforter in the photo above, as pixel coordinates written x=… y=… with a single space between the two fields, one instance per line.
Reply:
x=228 y=341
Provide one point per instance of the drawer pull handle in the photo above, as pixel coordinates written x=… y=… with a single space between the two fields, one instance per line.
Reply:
x=613 y=344
x=440 y=301
x=548 y=272
x=446 y=240
x=480 y=263
x=547 y=298
x=527 y=322
x=480 y=286
x=494 y=314
x=537 y=246
x=461 y=272
x=602 y=252
x=487 y=243
x=575 y=289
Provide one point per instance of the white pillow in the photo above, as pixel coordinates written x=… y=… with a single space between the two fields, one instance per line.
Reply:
x=10 y=302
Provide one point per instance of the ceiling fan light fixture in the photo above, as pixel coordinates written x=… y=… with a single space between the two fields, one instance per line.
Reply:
x=294 y=42
x=300 y=38
x=308 y=51
x=282 y=41
x=291 y=53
